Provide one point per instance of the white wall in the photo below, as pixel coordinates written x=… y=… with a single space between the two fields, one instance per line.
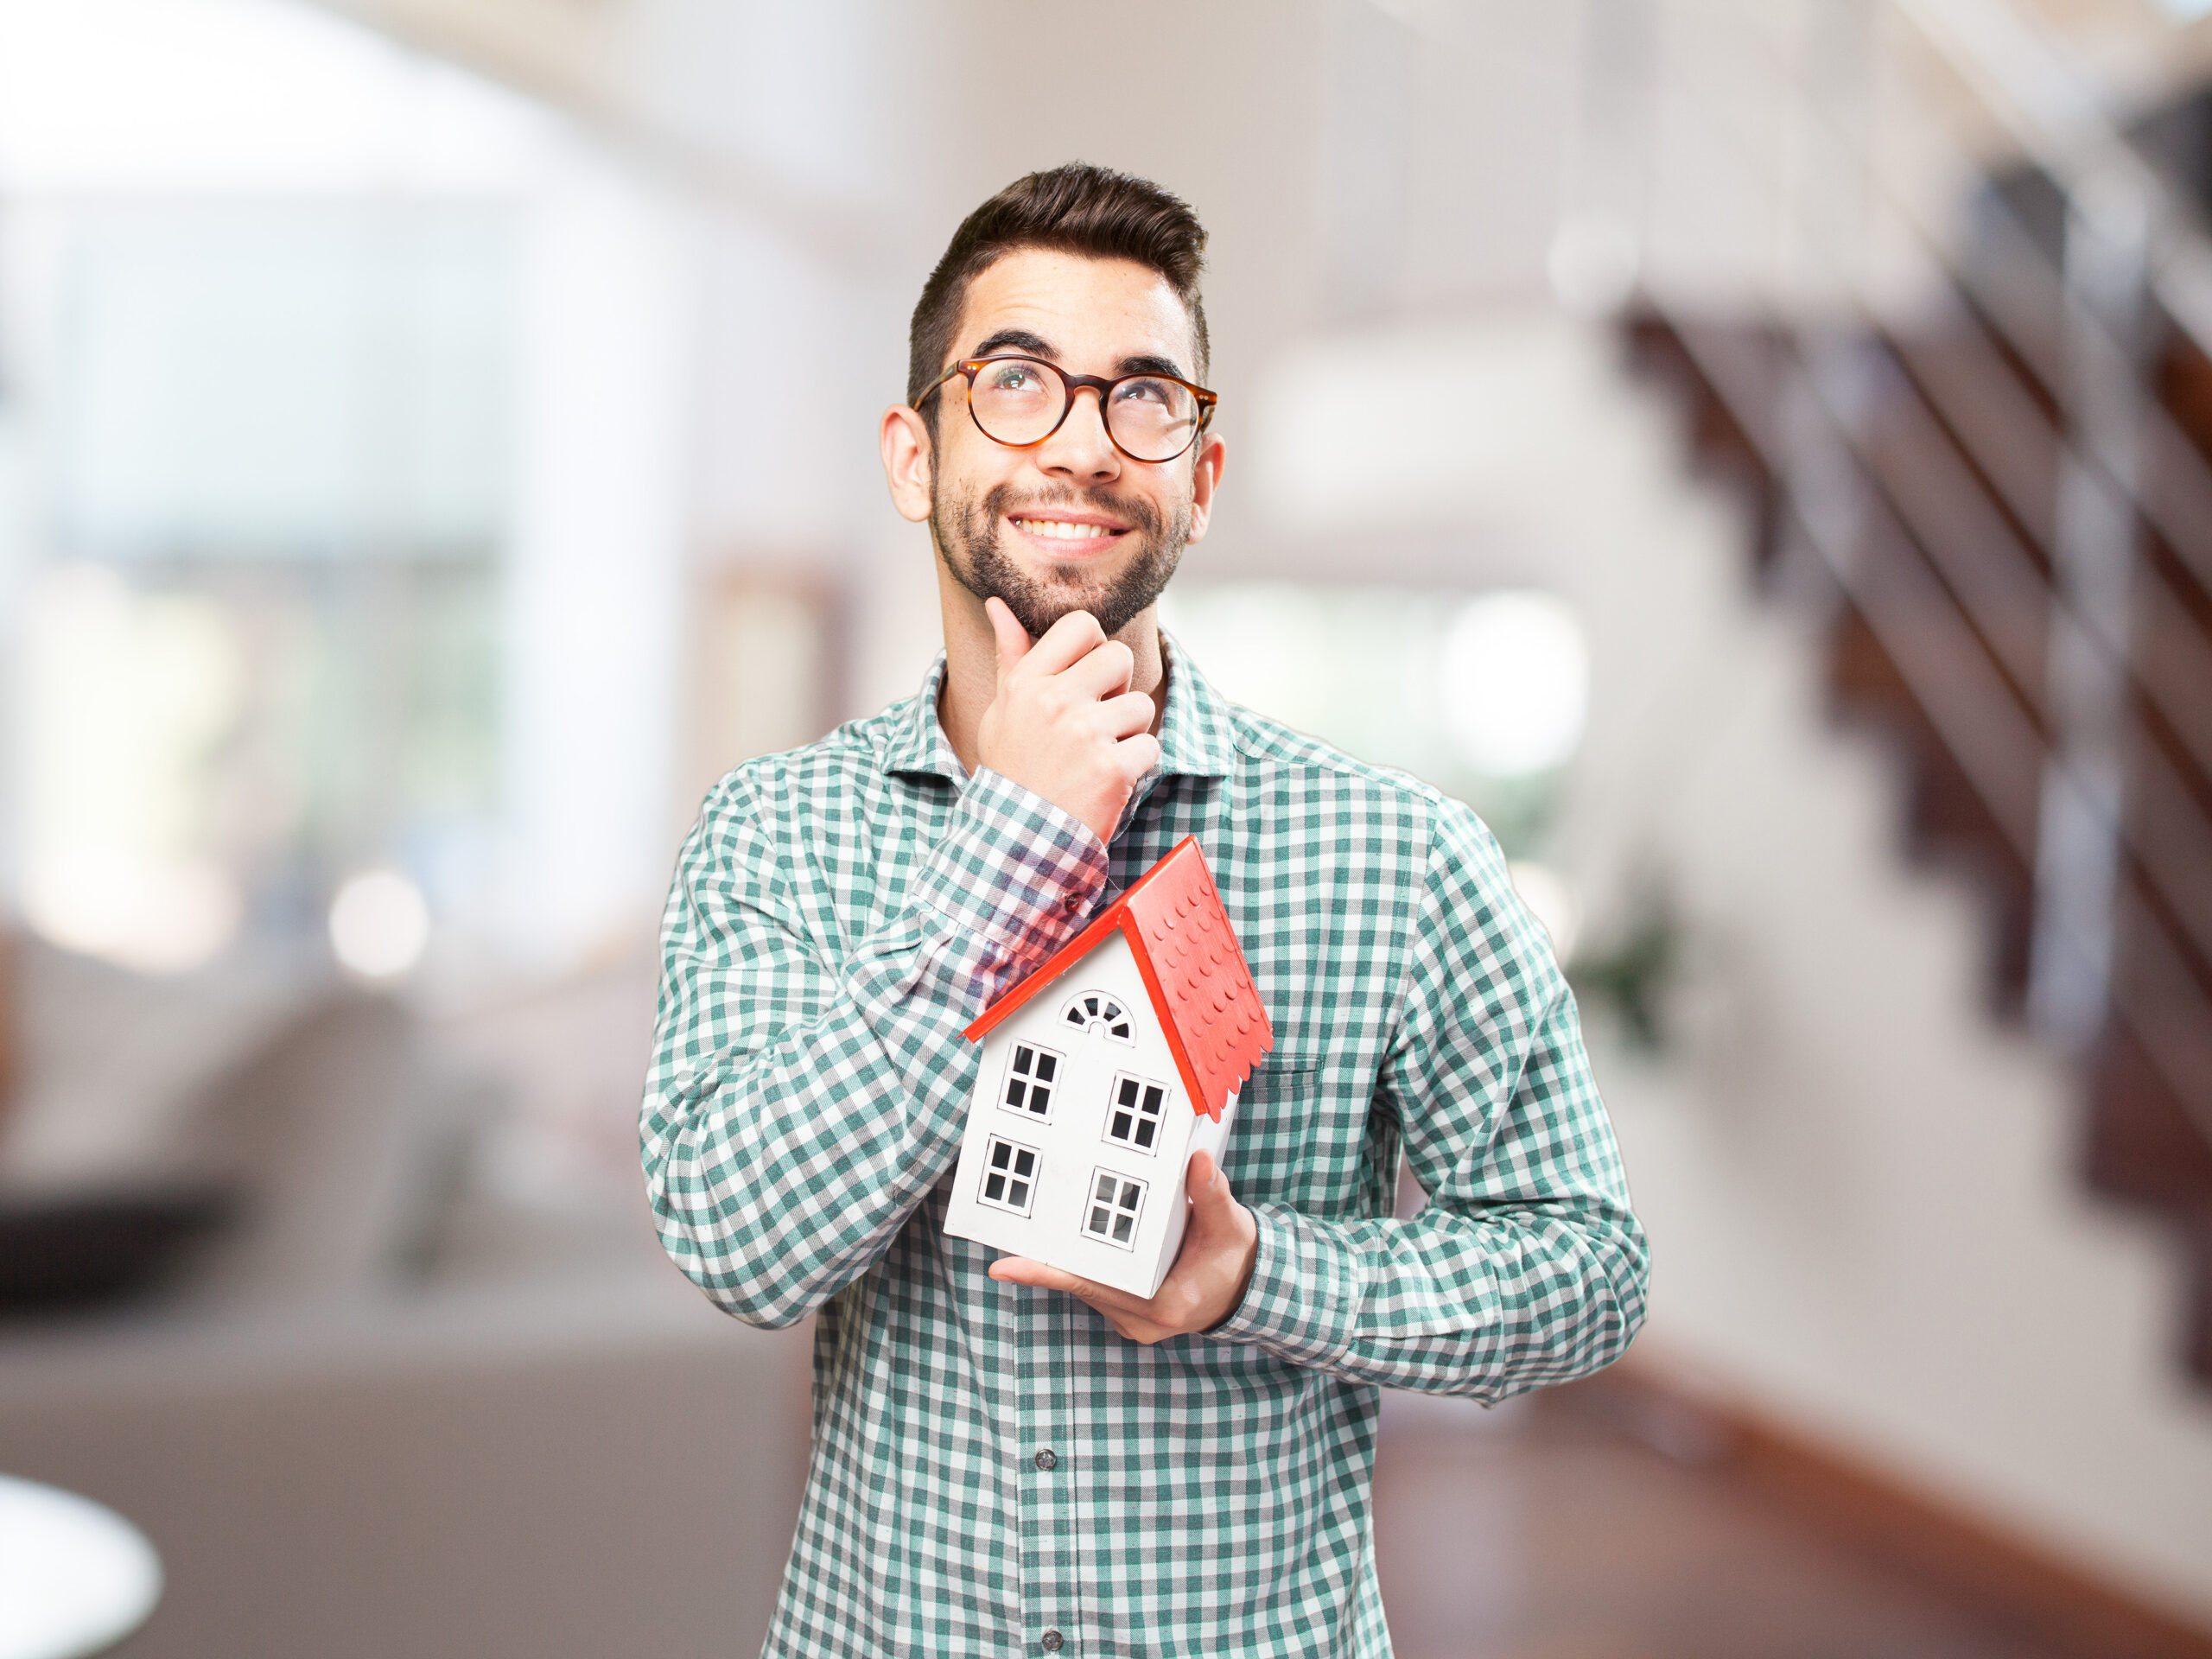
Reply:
x=602 y=534
x=1861 y=1194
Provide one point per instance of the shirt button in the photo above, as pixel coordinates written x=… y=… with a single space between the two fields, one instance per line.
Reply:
x=1054 y=1640
x=1048 y=1459
x=1073 y=902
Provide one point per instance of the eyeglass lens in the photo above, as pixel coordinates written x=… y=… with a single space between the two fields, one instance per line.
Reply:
x=1017 y=401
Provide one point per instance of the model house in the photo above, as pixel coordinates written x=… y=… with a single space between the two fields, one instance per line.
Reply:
x=1102 y=1073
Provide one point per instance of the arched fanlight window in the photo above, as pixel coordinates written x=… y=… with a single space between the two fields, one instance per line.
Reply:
x=1097 y=1008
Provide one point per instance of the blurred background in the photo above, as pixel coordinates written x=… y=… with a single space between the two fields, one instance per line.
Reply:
x=1755 y=450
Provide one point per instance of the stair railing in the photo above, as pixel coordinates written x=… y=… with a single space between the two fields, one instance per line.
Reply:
x=2057 y=735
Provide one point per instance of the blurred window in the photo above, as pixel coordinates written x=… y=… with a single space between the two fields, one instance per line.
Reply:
x=1482 y=695
x=259 y=274
x=264 y=652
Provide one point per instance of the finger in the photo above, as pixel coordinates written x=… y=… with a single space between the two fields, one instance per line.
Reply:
x=1128 y=714
x=1074 y=636
x=1014 y=641
x=1103 y=671
x=1137 y=755
x=1022 y=1270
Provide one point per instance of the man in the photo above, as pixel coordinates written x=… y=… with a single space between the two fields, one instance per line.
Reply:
x=1007 y=1459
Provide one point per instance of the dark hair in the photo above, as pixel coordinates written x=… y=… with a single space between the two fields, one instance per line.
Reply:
x=1077 y=208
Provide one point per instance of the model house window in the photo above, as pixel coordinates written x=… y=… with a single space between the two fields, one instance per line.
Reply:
x=1133 y=1114
x=1009 y=1175
x=1115 y=1203
x=1031 y=1078
x=1097 y=1008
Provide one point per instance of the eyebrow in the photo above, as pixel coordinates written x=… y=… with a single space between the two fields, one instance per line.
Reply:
x=1166 y=365
x=1029 y=345
x=1019 y=339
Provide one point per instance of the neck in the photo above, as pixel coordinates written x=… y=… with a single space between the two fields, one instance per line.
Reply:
x=971 y=664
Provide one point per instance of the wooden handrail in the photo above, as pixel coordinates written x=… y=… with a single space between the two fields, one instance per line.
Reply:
x=1930 y=638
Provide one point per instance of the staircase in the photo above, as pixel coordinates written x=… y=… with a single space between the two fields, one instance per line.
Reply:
x=2001 y=512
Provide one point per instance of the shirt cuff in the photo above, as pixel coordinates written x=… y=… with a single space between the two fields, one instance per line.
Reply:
x=1305 y=1287
x=1013 y=872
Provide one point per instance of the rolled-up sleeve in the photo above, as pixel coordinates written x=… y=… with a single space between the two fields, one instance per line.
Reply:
x=803 y=1098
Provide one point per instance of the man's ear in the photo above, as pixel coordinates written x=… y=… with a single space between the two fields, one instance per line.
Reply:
x=908 y=456
x=1205 y=479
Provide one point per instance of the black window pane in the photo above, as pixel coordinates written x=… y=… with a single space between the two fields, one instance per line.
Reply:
x=1153 y=1098
x=1126 y=1090
x=1018 y=1195
x=1022 y=1056
x=1119 y=1131
x=1122 y=1229
x=1128 y=1195
x=1014 y=1091
x=995 y=1187
x=1000 y=1152
x=1144 y=1131
x=1044 y=1064
x=1100 y=1220
x=1040 y=1099
x=1024 y=1162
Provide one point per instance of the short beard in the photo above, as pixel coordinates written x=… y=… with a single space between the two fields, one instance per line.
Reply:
x=968 y=541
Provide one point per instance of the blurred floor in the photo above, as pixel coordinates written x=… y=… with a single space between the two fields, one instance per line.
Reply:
x=1541 y=1531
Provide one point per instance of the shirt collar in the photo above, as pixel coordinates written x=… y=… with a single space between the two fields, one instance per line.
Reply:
x=1195 y=736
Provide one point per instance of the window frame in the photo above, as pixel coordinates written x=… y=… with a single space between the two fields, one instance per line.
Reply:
x=1092 y=1202
x=1036 y=1169
x=1099 y=1016
x=1012 y=1076
x=1137 y=1115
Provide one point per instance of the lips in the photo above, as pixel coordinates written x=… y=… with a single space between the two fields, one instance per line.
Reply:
x=1067 y=535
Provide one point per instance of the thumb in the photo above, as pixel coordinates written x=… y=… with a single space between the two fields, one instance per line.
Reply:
x=1211 y=1201
x=1013 y=639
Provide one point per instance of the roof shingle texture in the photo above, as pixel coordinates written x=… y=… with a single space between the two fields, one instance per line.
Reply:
x=1188 y=954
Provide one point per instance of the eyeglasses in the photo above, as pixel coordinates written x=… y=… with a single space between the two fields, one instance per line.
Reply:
x=1019 y=402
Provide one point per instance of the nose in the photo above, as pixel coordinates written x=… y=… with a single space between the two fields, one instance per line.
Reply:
x=1080 y=450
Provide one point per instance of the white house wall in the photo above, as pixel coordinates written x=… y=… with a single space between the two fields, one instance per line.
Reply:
x=1072 y=1144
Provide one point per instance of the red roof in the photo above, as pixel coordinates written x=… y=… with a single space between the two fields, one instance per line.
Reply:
x=1187 y=952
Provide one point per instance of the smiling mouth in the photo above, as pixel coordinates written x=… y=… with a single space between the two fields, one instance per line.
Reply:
x=1064 y=530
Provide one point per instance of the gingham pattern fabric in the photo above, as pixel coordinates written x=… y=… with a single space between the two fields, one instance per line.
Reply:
x=994 y=1471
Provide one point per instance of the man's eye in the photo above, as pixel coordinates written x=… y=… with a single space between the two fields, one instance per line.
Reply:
x=1013 y=377
x=1141 y=391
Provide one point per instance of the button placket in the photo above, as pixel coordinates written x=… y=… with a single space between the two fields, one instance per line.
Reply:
x=1052 y=1553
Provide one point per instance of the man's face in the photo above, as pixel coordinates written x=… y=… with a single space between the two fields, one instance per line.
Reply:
x=1071 y=524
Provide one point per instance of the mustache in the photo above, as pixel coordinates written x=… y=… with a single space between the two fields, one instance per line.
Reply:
x=1002 y=500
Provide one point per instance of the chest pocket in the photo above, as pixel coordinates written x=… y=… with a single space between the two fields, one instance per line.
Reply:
x=1301 y=1123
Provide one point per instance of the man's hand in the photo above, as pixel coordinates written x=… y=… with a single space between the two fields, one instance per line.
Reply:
x=1064 y=722
x=1220 y=1243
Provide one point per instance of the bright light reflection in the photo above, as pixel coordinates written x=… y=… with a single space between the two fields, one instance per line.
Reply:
x=1513 y=678
x=379 y=924
x=1552 y=901
x=122 y=696
x=242 y=94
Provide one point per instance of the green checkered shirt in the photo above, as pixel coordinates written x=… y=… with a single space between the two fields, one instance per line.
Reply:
x=994 y=1470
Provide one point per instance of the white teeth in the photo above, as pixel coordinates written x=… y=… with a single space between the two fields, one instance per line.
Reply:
x=1061 y=529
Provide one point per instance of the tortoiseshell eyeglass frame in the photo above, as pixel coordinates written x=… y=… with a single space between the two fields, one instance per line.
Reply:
x=971 y=366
